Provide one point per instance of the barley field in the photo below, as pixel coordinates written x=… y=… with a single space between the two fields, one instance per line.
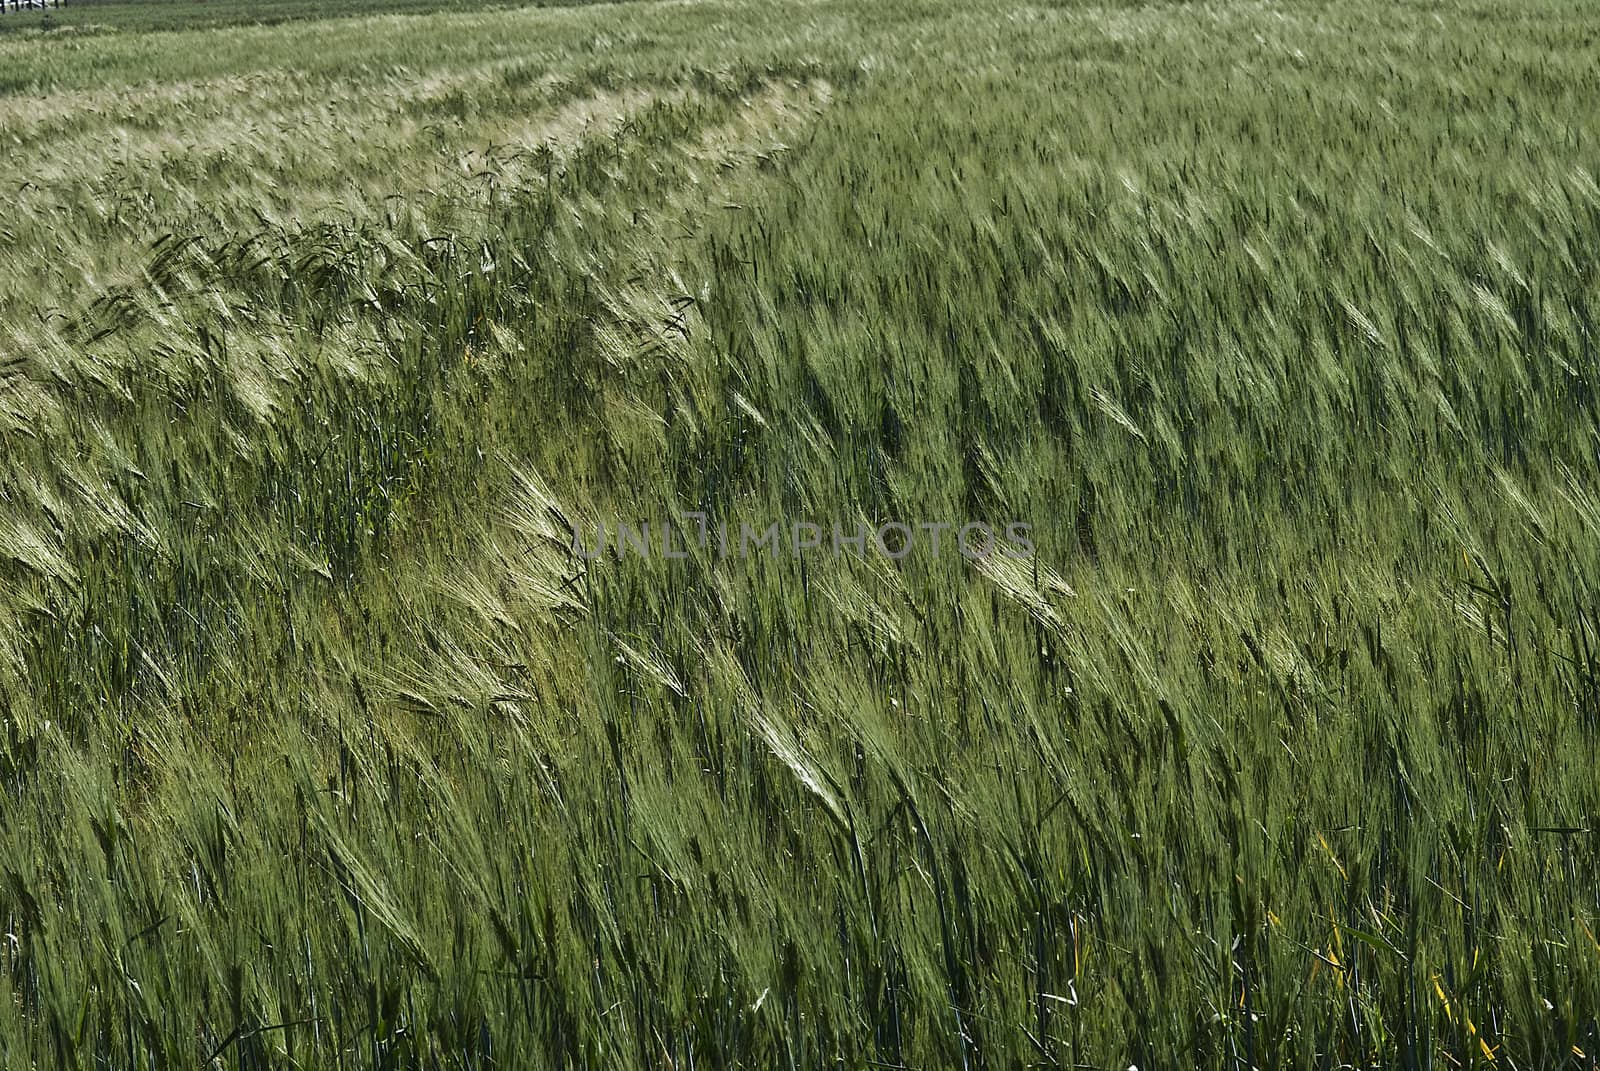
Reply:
x=332 y=336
